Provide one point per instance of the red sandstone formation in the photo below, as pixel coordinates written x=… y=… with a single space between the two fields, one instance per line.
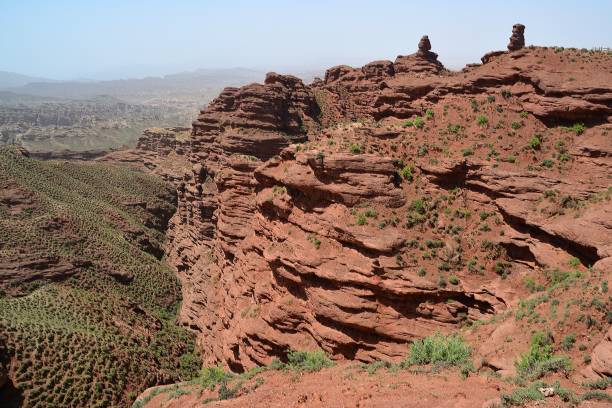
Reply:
x=161 y=151
x=517 y=39
x=266 y=240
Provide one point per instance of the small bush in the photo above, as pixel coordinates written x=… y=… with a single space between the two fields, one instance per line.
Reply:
x=356 y=148
x=406 y=173
x=577 y=128
x=438 y=349
x=568 y=341
x=535 y=143
x=211 y=376
x=314 y=240
x=454 y=128
x=548 y=163
x=482 y=120
x=307 y=360
x=453 y=280
x=521 y=396
x=429 y=113
x=600 y=384
x=516 y=125
x=596 y=395
x=540 y=360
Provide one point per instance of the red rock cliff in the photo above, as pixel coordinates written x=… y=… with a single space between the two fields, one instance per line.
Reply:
x=284 y=244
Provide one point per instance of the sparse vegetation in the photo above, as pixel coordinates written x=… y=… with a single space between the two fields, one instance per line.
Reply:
x=406 y=173
x=576 y=128
x=79 y=329
x=535 y=143
x=356 y=148
x=540 y=359
x=439 y=350
x=482 y=120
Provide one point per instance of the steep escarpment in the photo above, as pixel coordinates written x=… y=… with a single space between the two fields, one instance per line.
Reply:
x=384 y=203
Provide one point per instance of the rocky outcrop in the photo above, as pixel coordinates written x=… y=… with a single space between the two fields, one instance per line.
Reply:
x=425 y=49
x=517 y=39
x=318 y=216
x=162 y=151
x=601 y=359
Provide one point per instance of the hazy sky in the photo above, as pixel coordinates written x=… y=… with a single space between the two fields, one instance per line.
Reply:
x=67 y=39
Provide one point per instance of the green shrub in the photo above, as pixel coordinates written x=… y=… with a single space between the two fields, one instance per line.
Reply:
x=577 y=128
x=540 y=360
x=599 y=384
x=482 y=120
x=564 y=157
x=474 y=105
x=535 y=143
x=418 y=122
x=440 y=350
x=406 y=173
x=355 y=148
x=189 y=364
x=418 y=206
x=467 y=152
x=454 y=128
x=596 y=395
x=211 y=376
x=429 y=113
x=502 y=268
x=516 y=125
x=568 y=341
x=307 y=360
x=314 y=240
x=453 y=280
x=521 y=396
x=548 y=163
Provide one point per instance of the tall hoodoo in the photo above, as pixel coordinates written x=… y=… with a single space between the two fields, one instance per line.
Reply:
x=517 y=39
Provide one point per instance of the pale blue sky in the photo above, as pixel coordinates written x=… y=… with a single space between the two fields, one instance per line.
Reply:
x=98 y=39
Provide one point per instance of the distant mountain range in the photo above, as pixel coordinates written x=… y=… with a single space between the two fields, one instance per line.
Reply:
x=13 y=80
x=181 y=85
x=192 y=84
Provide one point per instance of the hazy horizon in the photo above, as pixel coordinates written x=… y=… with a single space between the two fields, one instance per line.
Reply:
x=68 y=40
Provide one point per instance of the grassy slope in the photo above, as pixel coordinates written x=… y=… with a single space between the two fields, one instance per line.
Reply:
x=88 y=340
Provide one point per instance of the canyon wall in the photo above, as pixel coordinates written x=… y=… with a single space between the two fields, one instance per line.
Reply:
x=320 y=216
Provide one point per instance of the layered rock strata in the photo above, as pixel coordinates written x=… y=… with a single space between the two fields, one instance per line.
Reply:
x=295 y=229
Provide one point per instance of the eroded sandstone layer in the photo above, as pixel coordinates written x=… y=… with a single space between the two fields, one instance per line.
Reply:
x=383 y=203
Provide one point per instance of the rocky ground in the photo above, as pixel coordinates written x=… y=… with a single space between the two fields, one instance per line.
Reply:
x=383 y=204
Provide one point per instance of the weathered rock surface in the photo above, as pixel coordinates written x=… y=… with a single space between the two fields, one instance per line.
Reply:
x=601 y=358
x=162 y=151
x=283 y=244
x=517 y=39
